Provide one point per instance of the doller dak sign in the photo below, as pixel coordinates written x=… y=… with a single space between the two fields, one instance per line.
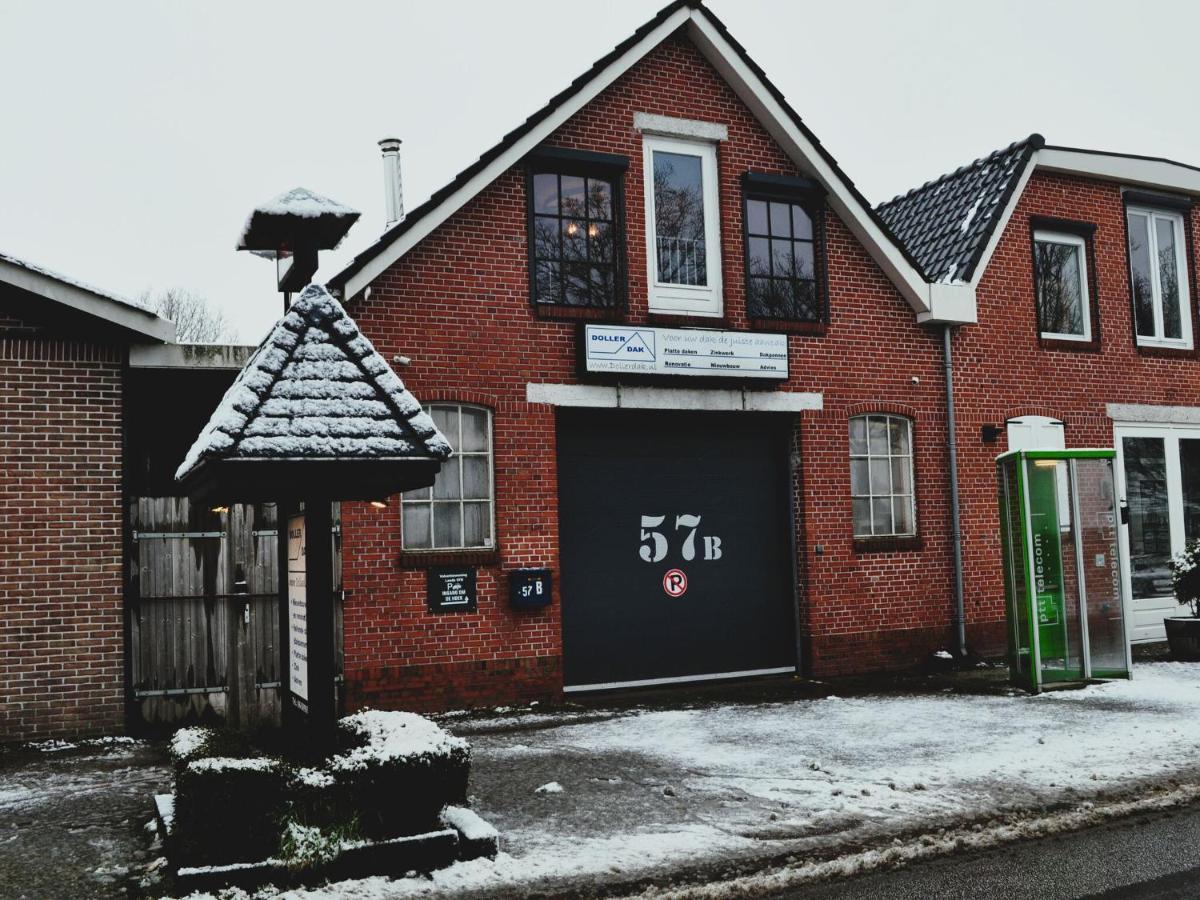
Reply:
x=646 y=350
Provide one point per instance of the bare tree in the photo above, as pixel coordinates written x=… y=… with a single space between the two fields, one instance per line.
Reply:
x=196 y=320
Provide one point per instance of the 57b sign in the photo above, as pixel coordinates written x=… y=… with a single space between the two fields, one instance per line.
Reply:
x=655 y=544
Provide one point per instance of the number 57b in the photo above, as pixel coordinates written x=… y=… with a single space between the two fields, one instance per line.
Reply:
x=654 y=543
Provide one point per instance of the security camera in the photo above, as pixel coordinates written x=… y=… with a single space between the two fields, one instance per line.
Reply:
x=915 y=380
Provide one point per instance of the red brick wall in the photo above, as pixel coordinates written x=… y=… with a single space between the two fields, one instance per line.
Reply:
x=458 y=304
x=1002 y=370
x=61 y=644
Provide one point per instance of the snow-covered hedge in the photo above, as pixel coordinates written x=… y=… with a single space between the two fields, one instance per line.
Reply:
x=392 y=774
x=229 y=809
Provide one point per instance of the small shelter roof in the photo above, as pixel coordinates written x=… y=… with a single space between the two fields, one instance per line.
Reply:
x=274 y=225
x=315 y=392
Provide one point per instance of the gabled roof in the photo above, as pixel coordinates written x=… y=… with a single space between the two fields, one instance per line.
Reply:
x=953 y=223
x=84 y=298
x=751 y=85
x=316 y=389
x=946 y=223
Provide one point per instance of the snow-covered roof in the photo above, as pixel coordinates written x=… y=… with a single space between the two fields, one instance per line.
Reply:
x=84 y=297
x=946 y=223
x=316 y=389
x=270 y=225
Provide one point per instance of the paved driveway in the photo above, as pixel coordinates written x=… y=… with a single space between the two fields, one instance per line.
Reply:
x=72 y=817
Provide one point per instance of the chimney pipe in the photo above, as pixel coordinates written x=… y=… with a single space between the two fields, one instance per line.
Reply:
x=393 y=189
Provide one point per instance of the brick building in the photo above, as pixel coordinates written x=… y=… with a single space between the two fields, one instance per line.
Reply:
x=826 y=488
x=618 y=478
x=64 y=350
x=697 y=393
x=1084 y=264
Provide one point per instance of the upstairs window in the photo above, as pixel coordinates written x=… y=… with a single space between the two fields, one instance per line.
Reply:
x=782 y=259
x=1060 y=275
x=1158 y=276
x=682 y=230
x=457 y=512
x=881 y=476
x=575 y=230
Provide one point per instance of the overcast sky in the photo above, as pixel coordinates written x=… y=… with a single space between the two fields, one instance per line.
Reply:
x=135 y=137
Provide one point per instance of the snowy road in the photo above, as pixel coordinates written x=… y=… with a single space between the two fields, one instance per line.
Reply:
x=663 y=794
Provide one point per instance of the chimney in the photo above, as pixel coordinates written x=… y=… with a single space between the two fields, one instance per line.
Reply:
x=393 y=189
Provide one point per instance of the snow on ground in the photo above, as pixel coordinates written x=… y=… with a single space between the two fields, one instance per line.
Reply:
x=656 y=790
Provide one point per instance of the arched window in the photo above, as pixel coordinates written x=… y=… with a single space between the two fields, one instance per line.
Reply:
x=457 y=513
x=881 y=476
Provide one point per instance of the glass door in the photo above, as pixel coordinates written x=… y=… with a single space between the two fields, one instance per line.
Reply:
x=1160 y=483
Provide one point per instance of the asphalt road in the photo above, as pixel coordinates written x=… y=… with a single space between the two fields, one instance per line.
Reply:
x=1146 y=856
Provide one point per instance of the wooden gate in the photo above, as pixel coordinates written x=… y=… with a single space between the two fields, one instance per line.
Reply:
x=203 y=606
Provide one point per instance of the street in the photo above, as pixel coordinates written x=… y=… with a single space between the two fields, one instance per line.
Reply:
x=1144 y=856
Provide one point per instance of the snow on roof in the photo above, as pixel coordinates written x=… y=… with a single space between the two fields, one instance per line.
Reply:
x=946 y=223
x=82 y=285
x=269 y=220
x=316 y=388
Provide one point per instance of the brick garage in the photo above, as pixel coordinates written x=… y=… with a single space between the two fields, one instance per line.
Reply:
x=61 y=603
x=458 y=302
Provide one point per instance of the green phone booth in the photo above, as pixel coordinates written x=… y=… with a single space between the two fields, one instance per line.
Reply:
x=1063 y=591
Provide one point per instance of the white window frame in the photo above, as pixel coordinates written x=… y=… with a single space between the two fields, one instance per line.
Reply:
x=1185 y=292
x=696 y=300
x=456 y=442
x=891 y=495
x=1071 y=240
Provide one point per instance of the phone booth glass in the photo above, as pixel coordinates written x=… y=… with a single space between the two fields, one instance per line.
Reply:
x=1062 y=575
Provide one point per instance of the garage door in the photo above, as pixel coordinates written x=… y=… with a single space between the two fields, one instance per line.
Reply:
x=674 y=545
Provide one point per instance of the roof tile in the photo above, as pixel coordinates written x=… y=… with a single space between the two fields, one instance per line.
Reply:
x=946 y=223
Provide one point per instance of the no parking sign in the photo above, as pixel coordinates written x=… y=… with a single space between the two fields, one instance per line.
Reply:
x=675 y=582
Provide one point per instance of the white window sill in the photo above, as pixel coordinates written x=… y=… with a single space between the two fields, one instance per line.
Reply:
x=1079 y=338
x=1164 y=345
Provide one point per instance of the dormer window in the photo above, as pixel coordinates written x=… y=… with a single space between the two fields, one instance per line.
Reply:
x=682 y=227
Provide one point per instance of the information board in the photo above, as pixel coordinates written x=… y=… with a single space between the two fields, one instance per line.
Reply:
x=451 y=589
x=297 y=576
x=684 y=351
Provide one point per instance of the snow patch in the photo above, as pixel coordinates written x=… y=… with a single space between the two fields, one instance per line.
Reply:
x=187 y=742
x=393 y=735
x=468 y=822
x=231 y=764
x=966 y=223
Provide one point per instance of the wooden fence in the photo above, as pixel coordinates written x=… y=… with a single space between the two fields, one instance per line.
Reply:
x=203 y=602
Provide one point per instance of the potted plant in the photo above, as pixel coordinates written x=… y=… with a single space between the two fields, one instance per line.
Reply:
x=1183 y=632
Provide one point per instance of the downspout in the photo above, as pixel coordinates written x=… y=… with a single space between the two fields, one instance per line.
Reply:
x=960 y=616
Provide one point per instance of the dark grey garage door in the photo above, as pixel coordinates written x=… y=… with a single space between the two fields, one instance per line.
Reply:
x=674 y=542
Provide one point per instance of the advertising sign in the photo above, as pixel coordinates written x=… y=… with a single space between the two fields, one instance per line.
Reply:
x=297 y=610
x=1047 y=561
x=644 y=350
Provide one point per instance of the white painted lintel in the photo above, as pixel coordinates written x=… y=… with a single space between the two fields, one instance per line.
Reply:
x=698 y=399
x=1153 y=414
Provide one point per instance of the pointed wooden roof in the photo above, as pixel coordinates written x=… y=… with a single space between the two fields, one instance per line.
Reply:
x=315 y=393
